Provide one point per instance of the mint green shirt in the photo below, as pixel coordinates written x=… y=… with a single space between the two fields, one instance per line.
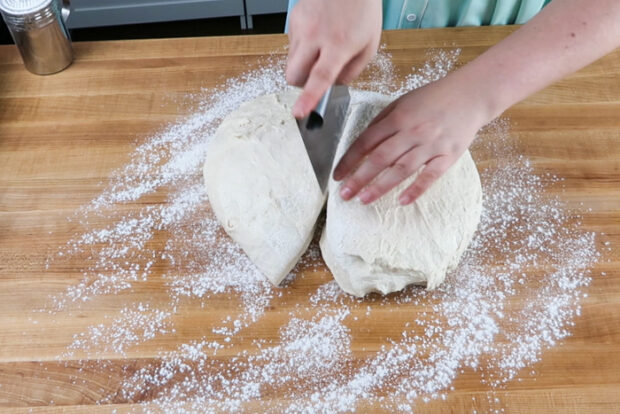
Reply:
x=411 y=14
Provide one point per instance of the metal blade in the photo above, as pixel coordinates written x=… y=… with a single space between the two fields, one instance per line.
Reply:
x=322 y=129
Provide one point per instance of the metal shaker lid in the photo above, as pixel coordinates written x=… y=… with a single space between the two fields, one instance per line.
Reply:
x=21 y=7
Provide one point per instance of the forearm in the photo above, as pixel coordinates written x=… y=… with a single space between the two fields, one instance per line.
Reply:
x=563 y=38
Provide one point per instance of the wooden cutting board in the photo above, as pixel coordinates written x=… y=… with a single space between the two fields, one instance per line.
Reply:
x=62 y=136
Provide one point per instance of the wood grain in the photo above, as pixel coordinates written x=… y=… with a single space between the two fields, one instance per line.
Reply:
x=61 y=137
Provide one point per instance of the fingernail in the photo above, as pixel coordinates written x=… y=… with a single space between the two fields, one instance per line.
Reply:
x=404 y=200
x=337 y=175
x=365 y=197
x=346 y=193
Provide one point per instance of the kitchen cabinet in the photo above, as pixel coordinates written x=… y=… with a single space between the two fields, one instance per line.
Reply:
x=254 y=7
x=94 y=13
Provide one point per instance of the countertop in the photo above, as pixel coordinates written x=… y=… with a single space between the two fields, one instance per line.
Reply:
x=63 y=136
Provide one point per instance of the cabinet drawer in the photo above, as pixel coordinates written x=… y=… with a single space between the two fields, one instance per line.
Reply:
x=90 y=13
x=266 y=6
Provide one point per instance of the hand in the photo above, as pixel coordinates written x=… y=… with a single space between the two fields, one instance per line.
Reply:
x=429 y=127
x=330 y=41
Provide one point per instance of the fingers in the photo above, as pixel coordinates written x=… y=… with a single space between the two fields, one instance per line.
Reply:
x=402 y=169
x=322 y=75
x=365 y=143
x=382 y=157
x=434 y=169
x=300 y=60
x=356 y=65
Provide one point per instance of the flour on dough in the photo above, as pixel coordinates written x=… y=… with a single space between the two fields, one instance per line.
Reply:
x=384 y=246
x=261 y=184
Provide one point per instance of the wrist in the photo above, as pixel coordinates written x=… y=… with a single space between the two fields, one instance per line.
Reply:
x=491 y=86
x=471 y=94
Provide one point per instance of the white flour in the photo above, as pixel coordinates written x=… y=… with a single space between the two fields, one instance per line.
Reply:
x=472 y=321
x=136 y=324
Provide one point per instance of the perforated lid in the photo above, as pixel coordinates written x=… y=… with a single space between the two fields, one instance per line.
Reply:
x=19 y=7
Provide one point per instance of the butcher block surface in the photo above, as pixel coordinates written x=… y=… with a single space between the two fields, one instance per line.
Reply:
x=62 y=136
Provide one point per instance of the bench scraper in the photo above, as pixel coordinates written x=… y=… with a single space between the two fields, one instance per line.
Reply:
x=322 y=129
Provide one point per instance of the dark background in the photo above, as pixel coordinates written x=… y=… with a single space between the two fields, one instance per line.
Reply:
x=225 y=26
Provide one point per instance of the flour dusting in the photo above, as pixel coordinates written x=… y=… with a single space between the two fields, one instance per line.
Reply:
x=314 y=363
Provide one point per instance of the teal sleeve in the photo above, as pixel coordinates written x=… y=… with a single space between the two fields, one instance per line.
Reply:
x=407 y=14
x=411 y=14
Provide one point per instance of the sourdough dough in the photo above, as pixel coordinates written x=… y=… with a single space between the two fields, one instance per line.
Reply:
x=261 y=185
x=384 y=246
x=264 y=193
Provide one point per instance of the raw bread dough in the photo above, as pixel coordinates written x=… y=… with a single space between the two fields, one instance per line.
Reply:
x=261 y=185
x=264 y=193
x=385 y=246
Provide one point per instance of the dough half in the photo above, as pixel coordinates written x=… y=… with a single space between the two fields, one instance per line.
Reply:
x=261 y=185
x=384 y=246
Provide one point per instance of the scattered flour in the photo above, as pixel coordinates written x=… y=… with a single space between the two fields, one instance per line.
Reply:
x=136 y=324
x=470 y=322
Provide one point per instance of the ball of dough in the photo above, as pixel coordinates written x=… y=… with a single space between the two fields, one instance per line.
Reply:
x=384 y=246
x=261 y=185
